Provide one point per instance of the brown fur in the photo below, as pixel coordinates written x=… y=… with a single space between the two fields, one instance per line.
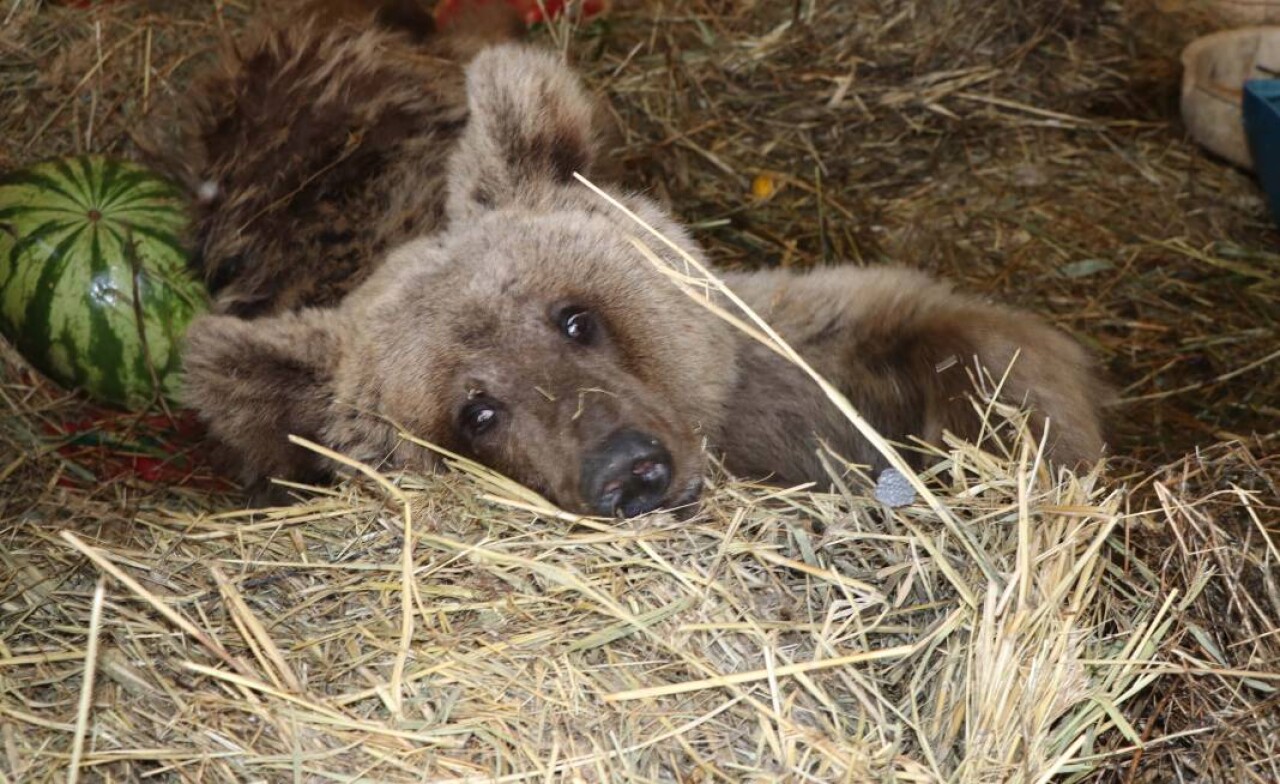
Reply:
x=473 y=312
x=904 y=349
x=320 y=144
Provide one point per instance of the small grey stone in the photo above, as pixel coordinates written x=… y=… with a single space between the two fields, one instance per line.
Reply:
x=893 y=489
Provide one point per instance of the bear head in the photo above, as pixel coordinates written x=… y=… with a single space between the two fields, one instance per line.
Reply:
x=529 y=335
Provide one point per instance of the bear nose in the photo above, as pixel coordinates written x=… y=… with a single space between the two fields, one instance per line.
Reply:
x=627 y=475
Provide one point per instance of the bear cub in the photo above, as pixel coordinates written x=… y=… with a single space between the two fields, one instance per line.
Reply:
x=519 y=327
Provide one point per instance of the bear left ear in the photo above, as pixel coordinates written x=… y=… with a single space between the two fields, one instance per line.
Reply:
x=256 y=382
x=530 y=125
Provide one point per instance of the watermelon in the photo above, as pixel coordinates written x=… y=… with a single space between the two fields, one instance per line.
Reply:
x=94 y=286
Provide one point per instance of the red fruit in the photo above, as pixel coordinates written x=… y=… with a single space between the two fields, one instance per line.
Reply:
x=531 y=11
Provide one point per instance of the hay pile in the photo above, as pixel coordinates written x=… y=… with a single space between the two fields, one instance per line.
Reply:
x=1120 y=627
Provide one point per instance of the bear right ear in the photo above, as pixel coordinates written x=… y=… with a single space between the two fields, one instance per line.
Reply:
x=530 y=125
x=255 y=382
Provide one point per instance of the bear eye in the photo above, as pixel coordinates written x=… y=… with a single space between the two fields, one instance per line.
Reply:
x=478 y=417
x=577 y=324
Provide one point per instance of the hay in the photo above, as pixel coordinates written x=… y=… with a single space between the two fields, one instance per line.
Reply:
x=1116 y=627
x=776 y=634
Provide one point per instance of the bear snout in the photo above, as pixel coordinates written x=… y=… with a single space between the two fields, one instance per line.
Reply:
x=627 y=475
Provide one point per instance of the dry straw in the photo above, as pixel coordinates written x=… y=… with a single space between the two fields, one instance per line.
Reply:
x=1015 y=625
x=796 y=635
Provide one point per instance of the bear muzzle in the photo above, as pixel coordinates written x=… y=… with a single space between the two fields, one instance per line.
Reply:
x=627 y=475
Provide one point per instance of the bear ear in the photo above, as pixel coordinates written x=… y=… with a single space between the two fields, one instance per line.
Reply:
x=530 y=125
x=255 y=382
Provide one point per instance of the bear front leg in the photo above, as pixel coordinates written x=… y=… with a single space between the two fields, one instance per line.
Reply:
x=918 y=344
x=905 y=349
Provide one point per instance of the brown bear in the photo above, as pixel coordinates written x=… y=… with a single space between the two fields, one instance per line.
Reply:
x=524 y=330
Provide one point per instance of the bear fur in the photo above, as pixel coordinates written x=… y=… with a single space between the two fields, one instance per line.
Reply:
x=319 y=143
x=521 y=328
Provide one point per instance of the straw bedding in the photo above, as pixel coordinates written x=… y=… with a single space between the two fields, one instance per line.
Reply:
x=1116 y=626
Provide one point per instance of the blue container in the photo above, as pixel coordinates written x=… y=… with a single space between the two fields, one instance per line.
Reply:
x=1262 y=126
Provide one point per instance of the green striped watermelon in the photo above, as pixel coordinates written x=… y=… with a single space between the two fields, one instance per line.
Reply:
x=94 y=288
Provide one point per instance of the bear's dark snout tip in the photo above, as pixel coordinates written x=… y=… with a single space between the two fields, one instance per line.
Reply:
x=627 y=475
